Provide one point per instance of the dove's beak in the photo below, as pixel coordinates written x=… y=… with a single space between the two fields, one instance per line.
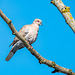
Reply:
x=41 y=24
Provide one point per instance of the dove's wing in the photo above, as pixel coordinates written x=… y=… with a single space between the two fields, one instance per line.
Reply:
x=16 y=43
x=23 y=31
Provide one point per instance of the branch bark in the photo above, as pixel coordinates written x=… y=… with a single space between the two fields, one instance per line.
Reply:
x=65 y=11
x=33 y=51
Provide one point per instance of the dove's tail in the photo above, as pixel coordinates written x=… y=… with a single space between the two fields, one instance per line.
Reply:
x=12 y=52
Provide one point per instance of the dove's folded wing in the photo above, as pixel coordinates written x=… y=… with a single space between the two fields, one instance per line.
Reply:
x=23 y=31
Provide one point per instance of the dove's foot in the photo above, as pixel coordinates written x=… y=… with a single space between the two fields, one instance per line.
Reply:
x=31 y=47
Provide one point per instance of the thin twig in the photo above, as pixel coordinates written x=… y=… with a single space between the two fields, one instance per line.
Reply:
x=33 y=51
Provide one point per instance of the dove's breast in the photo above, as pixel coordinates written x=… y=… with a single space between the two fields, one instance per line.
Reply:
x=32 y=36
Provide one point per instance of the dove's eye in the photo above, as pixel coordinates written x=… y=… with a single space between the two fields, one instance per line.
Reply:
x=37 y=21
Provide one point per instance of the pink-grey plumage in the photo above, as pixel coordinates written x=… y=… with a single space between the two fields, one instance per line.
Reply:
x=29 y=32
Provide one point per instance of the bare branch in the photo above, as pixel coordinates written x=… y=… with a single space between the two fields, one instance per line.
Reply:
x=33 y=51
x=65 y=11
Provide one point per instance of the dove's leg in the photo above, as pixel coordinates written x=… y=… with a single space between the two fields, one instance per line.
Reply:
x=30 y=44
x=31 y=47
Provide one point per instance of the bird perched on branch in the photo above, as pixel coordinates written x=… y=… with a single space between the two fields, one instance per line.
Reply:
x=29 y=32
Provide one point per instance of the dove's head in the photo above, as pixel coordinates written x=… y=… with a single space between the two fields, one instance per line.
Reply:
x=38 y=22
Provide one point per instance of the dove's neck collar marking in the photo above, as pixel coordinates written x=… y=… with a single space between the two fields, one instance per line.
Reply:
x=35 y=25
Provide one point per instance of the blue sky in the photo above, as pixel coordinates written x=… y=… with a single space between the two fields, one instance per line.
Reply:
x=55 y=42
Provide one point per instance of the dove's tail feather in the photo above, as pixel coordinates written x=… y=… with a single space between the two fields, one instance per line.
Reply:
x=12 y=52
x=9 y=56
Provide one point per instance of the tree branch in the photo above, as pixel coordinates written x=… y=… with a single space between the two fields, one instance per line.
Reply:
x=33 y=51
x=65 y=11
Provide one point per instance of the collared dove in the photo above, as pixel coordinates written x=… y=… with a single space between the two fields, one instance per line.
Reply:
x=29 y=32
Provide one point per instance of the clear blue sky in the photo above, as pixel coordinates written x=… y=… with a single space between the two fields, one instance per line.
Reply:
x=55 y=42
